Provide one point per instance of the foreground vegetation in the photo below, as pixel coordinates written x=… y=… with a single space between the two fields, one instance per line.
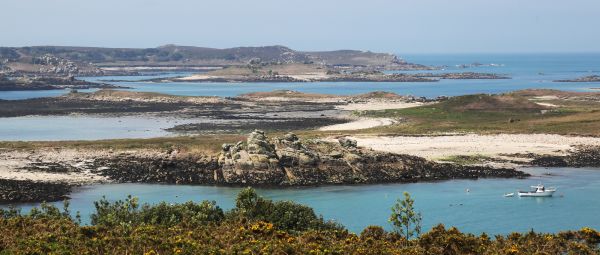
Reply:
x=255 y=226
x=536 y=111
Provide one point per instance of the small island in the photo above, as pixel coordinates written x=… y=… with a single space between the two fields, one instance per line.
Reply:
x=49 y=83
x=318 y=73
x=591 y=78
x=54 y=67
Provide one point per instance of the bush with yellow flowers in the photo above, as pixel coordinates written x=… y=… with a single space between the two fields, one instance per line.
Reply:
x=254 y=226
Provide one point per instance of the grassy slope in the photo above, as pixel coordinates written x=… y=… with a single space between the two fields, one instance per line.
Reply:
x=205 y=144
x=492 y=114
x=284 y=69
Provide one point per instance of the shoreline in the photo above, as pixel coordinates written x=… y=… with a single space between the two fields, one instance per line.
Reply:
x=322 y=77
x=278 y=162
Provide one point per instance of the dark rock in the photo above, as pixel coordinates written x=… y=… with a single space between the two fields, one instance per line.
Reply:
x=288 y=161
x=550 y=161
x=583 y=156
x=186 y=170
x=16 y=191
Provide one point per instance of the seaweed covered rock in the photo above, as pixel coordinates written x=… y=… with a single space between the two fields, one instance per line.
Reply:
x=582 y=156
x=158 y=169
x=12 y=191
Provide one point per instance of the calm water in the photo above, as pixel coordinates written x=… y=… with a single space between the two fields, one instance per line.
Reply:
x=74 y=127
x=484 y=209
x=526 y=70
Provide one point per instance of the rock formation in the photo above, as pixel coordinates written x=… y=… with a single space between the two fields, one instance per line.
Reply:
x=289 y=161
x=12 y=191
x=583 y=156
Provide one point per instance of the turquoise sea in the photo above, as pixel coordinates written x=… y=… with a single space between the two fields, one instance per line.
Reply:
x=526 y=71
x=482 y=209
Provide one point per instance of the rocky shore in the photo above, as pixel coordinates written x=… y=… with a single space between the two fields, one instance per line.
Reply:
x=591 y=78
x=330 y=76
x=289 y=161
x=17 y=191
x=48 y=83
x=583 y=156
x=283 y=161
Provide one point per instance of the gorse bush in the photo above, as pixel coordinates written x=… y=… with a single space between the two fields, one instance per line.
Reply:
x=283 y=214
x=255 y=226
x=250 y=206
x=128 y=212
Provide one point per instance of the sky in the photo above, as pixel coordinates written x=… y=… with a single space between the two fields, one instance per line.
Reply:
x=398 y=26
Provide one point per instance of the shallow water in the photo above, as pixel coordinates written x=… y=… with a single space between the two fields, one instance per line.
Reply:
x=483 y=209
x=526 y=70
x=74 y=127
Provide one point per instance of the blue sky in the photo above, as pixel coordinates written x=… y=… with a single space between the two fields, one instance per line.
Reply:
x=400 y=26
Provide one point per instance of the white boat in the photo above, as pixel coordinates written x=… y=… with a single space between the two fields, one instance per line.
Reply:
x=538 y=191
x=509 y=195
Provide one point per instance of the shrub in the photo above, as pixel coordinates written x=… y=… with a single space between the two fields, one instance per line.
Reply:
x=123 y=227
x=404 y=218
x=374 y=232
x=127 y=212
x=284 y=215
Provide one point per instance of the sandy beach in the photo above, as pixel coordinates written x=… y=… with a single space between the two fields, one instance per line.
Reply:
x=362 y=123
x=37 y=165
x=438 y=147
x=378 y=105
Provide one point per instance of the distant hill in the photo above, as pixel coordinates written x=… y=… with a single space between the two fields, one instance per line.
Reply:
x=22 y=58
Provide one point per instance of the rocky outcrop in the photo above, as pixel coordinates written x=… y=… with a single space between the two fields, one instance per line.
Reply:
x=158 y=169
x=591 y=78
x=583 y=156
x=254 y=161
x=289 y=161
x=14 y=191
x=49 y=83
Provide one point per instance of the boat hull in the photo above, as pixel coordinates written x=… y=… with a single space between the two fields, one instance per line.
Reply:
x=547 y=193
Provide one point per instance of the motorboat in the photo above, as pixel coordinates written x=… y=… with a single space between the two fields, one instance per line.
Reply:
x=538 y=191
x=509 y=195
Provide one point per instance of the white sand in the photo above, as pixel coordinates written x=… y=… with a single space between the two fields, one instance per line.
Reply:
x=150 y=68
x=547 y=104
x=78 y=178
x=198 y=77
x=436 y=147
x=545 y=98
x=309 y=76
x=373 y=106
x=13 y=161
x=360 y=124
